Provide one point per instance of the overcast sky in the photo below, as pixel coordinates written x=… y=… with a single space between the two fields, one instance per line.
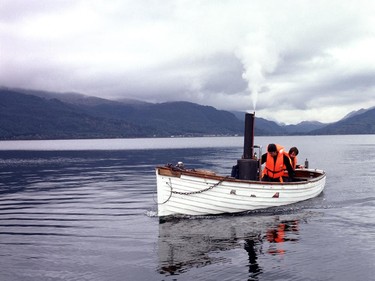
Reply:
x=288 y=60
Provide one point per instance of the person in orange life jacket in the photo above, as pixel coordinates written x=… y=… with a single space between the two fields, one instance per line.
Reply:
x=293 y=152
x=292 y=155
x=276 y=160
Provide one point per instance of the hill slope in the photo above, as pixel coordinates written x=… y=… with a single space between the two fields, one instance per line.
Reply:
x=24 y=116
x=361 y=123
x=29 y=114
x=304 y=127
x=30 y=117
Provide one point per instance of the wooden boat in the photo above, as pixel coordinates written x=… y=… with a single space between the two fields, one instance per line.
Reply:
x=195 y=192
x=182 y=191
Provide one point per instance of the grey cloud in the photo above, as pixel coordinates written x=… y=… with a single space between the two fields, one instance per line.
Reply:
x=298 y=57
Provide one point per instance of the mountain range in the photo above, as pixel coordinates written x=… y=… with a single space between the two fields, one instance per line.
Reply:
x=30 y=114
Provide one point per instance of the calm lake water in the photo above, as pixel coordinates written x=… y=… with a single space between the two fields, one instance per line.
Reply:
x=85 y=210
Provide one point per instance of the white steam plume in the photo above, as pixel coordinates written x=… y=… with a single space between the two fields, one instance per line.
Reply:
x=259 y=57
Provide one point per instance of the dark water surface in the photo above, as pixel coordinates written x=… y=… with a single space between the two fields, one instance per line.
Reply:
x=67 y=213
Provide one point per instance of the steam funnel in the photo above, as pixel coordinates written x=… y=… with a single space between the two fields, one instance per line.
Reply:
x=248 y=167
x=248 y=148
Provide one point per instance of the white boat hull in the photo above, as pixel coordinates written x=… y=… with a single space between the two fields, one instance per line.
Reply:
x=189 y=192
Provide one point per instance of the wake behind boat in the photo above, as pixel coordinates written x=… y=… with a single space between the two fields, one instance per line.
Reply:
x=182 y=191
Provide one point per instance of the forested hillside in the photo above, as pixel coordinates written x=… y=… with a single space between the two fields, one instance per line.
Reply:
x=26 y=114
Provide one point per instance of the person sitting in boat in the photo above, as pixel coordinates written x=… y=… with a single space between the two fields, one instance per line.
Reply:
x=292 y=155
x=293 y=152
x=276 y=160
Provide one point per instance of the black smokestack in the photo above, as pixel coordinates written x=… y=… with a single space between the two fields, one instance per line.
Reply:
x=247 y=166
x=249 y=136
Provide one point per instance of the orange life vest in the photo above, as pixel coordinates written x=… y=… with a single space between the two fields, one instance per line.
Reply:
x=293 y=163
x=275 y=169
x=277 y=236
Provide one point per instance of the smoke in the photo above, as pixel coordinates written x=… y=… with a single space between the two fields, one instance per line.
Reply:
x=259 y=57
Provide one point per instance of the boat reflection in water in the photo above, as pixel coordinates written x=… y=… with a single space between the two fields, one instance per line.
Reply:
x=185 y=244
